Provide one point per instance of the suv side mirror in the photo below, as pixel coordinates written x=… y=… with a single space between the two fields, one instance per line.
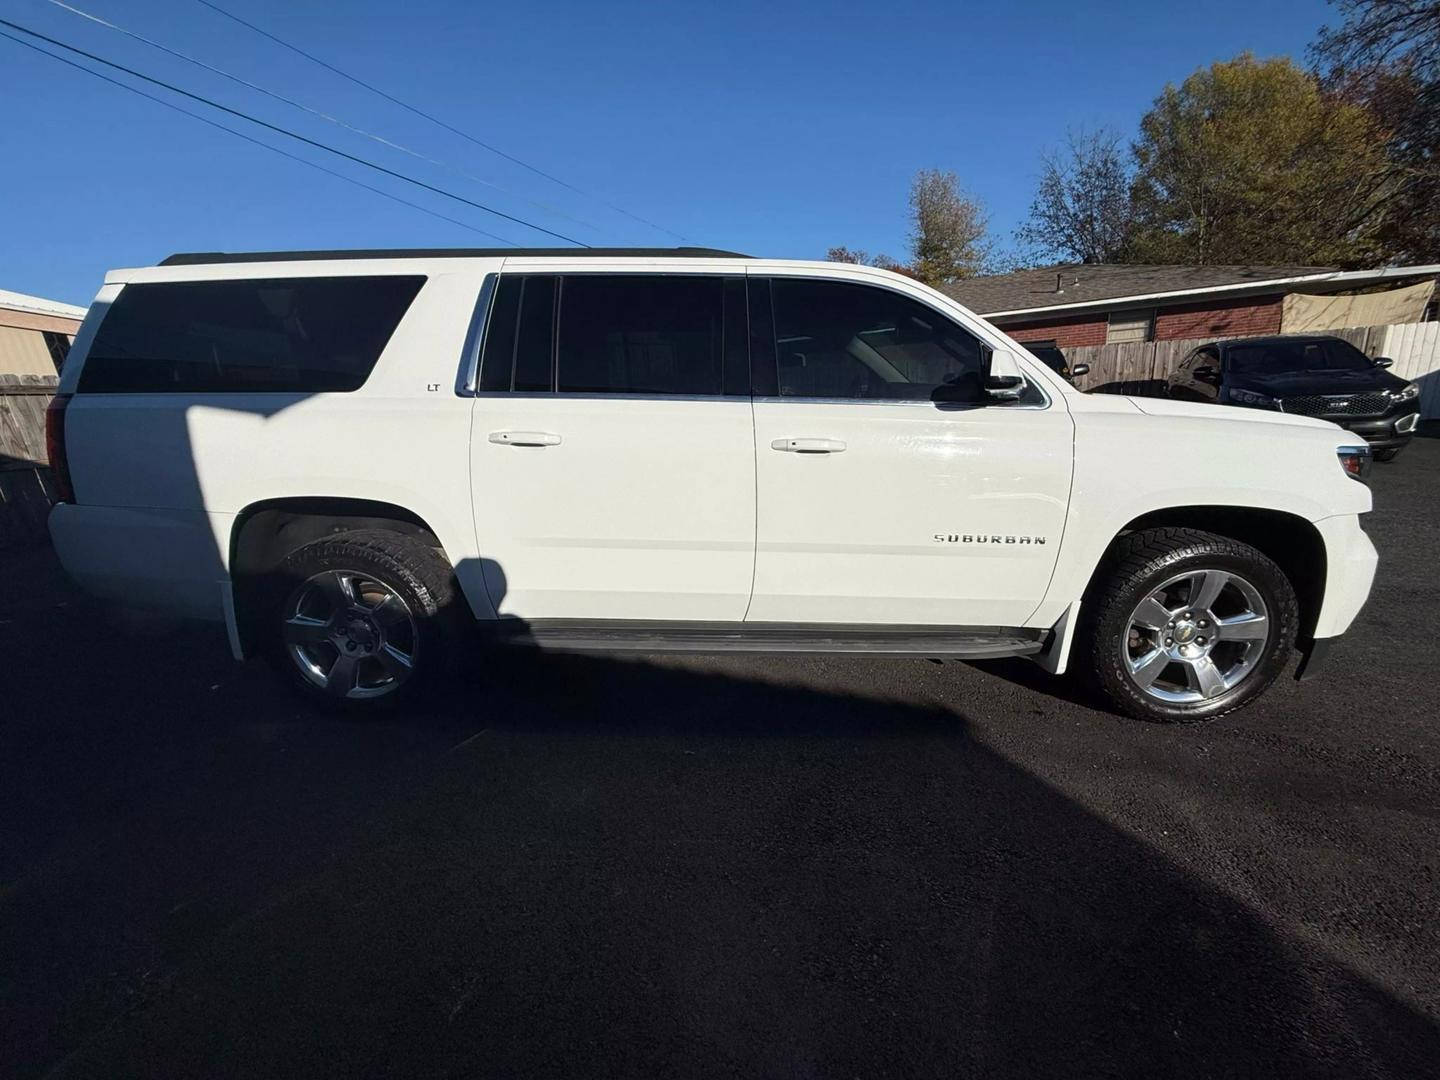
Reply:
x=1383 y=361
x=1005 y=387
x=1077 y=370
x=1005 y=382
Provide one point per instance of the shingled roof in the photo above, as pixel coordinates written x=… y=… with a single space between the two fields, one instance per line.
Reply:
x=1082 y=283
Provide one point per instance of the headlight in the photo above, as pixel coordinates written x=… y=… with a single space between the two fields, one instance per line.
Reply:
x=1409 y=392
x=1249 y=397
x=1355 y=460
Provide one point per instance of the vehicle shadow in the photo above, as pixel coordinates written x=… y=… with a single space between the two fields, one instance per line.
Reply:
x=1031 y=676
x=581 y=866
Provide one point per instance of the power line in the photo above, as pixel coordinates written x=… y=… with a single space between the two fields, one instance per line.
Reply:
x=433 y=119
x=250 y=139
x=309 y=109
x=291 y=135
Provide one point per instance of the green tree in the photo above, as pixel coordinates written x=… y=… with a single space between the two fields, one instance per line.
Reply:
x=947 y=229
x=1250 y=161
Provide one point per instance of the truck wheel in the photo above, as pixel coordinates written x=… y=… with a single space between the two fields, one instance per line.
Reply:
x=1188 y=625
x=362 y=620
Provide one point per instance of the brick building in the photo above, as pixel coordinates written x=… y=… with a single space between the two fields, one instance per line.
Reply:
x=1092 y=304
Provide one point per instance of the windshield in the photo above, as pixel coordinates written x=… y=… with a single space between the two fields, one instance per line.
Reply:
x=1279 y=357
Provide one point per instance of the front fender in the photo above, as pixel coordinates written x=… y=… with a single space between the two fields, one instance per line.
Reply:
x=1129 y=466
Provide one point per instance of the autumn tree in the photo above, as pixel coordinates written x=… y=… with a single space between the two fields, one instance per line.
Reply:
x=858 y=256
x=1249 y=161
x=1082 y=210
x=1385 y=57
x=947 y=229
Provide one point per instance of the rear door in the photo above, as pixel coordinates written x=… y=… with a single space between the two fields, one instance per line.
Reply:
x=613 y=461
x=891 y=489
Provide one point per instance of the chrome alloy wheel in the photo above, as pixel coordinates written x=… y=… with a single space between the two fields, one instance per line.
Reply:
x=1196 y=636
x=350 y=635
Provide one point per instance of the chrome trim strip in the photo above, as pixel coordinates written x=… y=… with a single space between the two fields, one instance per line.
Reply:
x=475 y=339
x=570 y=395
x=940 y=406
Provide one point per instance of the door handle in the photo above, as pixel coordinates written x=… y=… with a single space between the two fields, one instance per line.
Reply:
x=524 y=438
x=808 y=446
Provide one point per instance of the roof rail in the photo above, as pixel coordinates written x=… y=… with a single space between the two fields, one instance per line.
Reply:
x=200 y=258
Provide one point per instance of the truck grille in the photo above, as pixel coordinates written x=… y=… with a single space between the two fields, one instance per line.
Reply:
x=1336 y=405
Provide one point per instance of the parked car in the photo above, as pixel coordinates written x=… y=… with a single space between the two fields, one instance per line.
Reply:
x=348 y=457
x=1318 y=376
x=1053 y=358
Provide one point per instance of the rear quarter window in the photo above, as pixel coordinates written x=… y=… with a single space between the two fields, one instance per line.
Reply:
x=275 y=335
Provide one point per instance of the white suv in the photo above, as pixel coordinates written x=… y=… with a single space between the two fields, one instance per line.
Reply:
x=340 y=454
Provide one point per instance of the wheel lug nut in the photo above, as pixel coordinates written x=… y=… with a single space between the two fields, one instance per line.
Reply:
x=1169 y=641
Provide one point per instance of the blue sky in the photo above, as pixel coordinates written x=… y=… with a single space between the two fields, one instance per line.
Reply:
x=772 y=128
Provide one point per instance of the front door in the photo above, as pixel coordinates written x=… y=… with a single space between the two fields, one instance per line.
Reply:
x=890 y=488
x=613 y=476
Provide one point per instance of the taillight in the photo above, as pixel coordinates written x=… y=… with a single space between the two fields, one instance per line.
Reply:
x=1355 y=460
x=55 y=448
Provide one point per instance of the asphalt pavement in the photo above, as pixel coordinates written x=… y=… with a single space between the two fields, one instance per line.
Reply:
x=703 y=867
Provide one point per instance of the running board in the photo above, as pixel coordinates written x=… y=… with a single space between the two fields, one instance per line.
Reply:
x=584 y=635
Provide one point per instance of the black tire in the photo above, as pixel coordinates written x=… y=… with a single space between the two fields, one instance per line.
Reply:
x=1389 y=454
x=415 y=572
x=1141 y=562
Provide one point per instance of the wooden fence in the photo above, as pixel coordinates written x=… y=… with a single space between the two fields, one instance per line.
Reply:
x=25 y=488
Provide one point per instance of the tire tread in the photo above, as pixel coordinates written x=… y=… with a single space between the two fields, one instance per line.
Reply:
x=1143 y=554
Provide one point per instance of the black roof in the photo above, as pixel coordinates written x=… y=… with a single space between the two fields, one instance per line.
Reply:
x=198 y=258
x=1272 y=339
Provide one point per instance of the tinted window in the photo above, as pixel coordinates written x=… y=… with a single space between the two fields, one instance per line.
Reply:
x=497 y=362
x=296 y=335
x=1199 y=358
x=1278 y=357
x=520 y=337
x=641 y=334
x=837 y=340
x=535 y=341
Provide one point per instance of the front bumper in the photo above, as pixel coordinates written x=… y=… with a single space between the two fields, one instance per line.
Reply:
x=1350 y=561
x=1381 y=432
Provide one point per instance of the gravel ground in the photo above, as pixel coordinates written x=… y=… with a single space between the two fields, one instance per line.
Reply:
x=717 y=867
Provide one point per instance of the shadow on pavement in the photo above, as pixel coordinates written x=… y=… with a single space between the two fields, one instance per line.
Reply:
x=583 y=867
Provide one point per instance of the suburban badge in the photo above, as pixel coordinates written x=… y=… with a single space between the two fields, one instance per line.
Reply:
x=985 y=538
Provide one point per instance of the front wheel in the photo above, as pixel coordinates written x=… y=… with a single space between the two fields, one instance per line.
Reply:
x=1188 y=625
x=362 y=620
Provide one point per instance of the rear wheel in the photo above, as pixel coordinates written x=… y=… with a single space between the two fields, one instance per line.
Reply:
x=362 y=620
x=1189 y=625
